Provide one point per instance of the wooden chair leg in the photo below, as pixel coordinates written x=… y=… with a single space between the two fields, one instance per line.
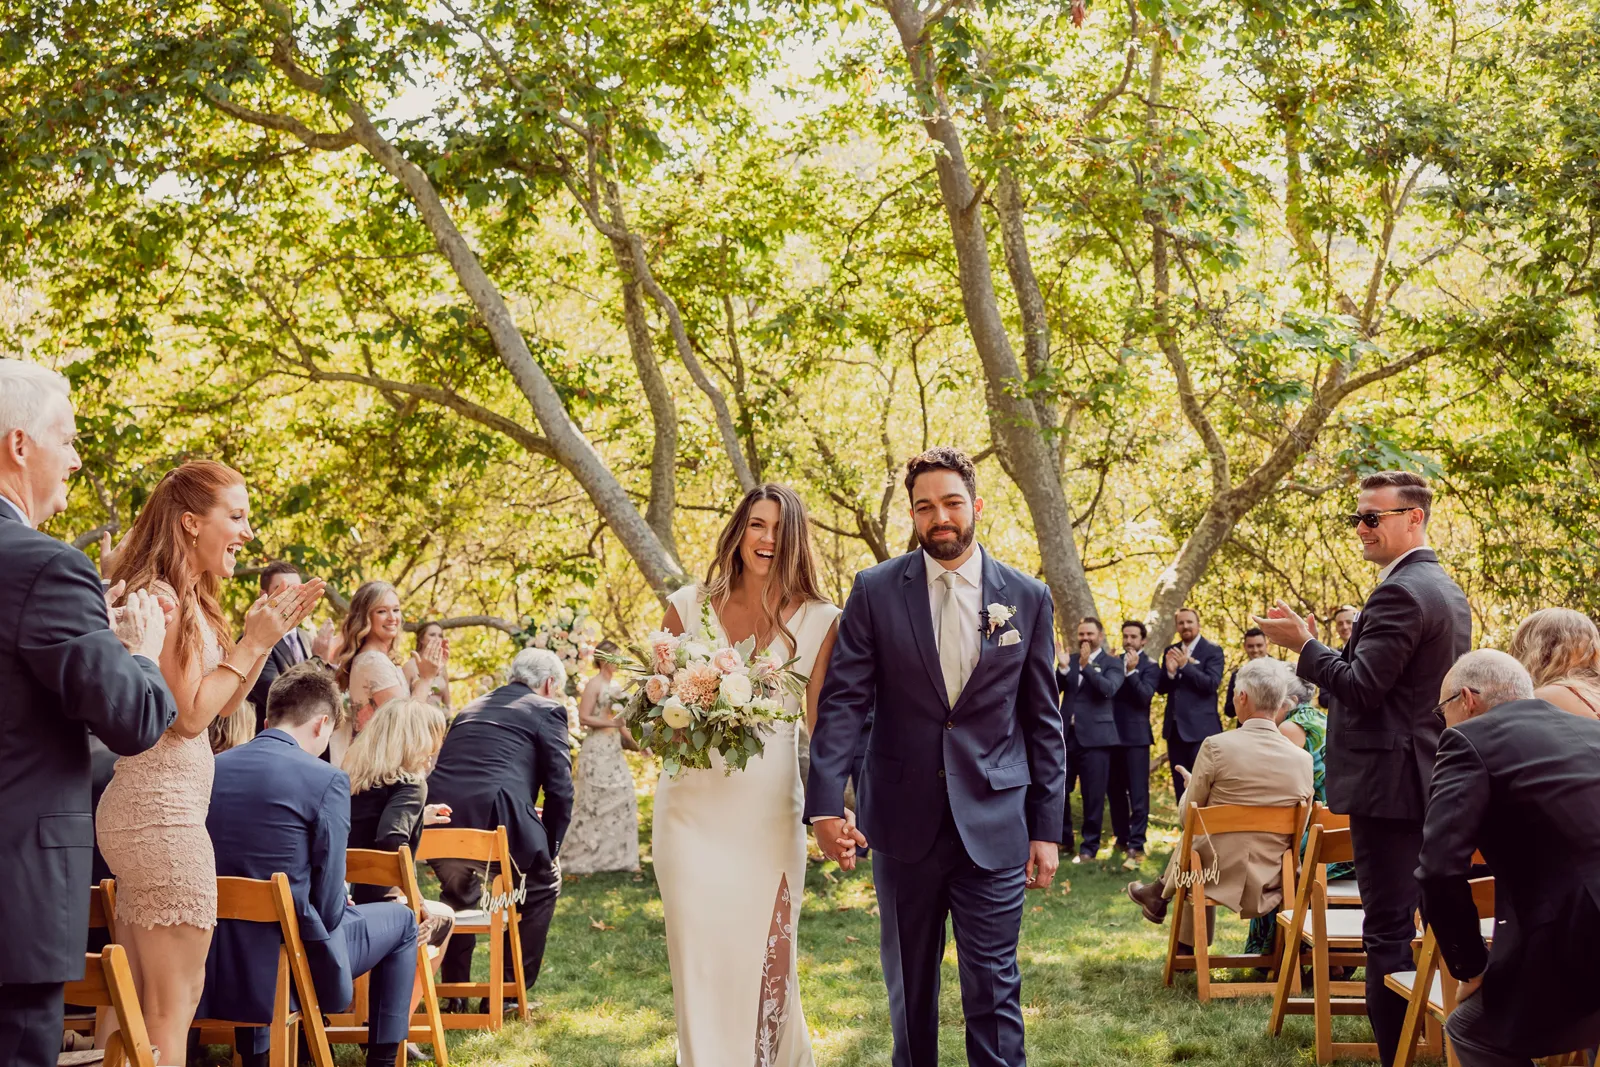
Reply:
x=1202 y=947
x=430 y=1006
x=1417 y=1006
x=1288 y=975
x=497 y=962
x=1321 y=994
x=1176 y=910
x=514 y=924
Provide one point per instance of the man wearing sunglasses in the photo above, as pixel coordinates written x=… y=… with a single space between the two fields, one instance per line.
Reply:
x=1382 y=733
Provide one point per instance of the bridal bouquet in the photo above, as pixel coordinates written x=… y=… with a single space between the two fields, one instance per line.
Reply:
x=692 y=697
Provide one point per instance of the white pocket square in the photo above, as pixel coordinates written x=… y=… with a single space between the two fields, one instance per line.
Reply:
x=1010 y=637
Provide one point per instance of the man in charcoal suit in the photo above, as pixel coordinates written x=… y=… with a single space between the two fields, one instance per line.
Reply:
x=1190 y=676
x=1518 y=779
x=1089 y=683
x=491 y=770
x=1382 y=735
x=292 y=648
x=64 y=671
x=1130 y=766
x=276 y=806
x=963 y=792
x=1255 y=646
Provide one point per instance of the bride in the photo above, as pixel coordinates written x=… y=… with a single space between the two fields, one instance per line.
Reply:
x=730 y=849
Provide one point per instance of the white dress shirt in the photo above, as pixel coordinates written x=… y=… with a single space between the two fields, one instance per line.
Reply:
x=1383 y=575
x=968 y=591
x=12 y=504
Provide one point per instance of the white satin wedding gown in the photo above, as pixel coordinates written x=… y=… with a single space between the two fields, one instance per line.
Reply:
x=730 y=860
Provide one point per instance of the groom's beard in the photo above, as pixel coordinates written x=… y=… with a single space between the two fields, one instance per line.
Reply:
x=947 y=549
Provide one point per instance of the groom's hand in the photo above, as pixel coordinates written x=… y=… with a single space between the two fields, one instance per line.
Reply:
x=838 y=839
x=1043 y=859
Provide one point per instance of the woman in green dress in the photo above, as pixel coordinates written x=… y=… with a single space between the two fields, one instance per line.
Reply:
x=1307 y=726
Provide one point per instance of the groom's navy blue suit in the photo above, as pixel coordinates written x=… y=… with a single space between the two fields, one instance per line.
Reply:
x=950 y=797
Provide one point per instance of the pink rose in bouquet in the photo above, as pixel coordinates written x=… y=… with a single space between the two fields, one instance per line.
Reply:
x=727 y=660
x=663 y=649
x=657 y=688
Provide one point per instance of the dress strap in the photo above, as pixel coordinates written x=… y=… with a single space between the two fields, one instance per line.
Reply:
x=1586 y=702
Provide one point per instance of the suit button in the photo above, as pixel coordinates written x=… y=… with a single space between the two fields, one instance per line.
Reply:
x=941 y=772
x=949 y=726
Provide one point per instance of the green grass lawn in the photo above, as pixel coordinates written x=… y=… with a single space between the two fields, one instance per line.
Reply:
x=1091 y=968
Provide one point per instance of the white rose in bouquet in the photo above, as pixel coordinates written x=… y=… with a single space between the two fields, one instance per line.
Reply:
x=675 y=713
x=697 y=649
x=737 y=690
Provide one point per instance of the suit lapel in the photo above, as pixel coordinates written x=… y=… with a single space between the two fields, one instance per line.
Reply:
x=915 y=587
x=994 y=586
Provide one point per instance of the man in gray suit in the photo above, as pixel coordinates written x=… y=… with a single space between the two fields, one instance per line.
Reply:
x=63 y=673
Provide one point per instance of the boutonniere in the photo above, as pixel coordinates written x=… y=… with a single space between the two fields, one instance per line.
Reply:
x=995 y=616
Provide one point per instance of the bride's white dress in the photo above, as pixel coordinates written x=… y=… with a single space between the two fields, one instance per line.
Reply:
x=730 y=860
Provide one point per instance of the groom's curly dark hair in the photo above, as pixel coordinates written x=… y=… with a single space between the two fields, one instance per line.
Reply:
x=943 y=458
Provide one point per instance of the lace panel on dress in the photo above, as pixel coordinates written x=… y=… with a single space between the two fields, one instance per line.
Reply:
x=775 y=970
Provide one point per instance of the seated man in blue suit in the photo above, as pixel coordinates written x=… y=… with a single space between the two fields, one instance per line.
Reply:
x=1089 y=682
x=275 y=806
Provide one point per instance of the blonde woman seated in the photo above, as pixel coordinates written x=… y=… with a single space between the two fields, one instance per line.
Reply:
x=388 y=765
x=1561 y=650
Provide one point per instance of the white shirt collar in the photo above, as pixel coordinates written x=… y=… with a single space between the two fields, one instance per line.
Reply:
x=970 y=572
x=1383 y=575
x=1189 y=648
x=14 y=507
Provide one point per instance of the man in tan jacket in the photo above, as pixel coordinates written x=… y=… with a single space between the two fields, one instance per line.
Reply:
x=1253 y=766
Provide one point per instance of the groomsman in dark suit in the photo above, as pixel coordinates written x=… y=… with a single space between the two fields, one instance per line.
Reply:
x=1089 y=682
x=1130 y=766
x=63 y=672
x=1382 y=734
x=1255 y=646
x=1190 y=677
x=291 y=649
x=1519 y=779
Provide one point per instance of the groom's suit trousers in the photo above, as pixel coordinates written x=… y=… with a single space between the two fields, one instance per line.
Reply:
x=985 y=909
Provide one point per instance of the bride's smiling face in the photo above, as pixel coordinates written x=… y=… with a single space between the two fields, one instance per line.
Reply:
x=759 y=546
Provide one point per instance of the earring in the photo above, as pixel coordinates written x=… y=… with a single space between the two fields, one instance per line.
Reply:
x=194 y=542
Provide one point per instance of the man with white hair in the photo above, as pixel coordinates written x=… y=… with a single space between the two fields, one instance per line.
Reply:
x=64 y=672
x=1253 y=766
x=491 y=770
x=1518 y=779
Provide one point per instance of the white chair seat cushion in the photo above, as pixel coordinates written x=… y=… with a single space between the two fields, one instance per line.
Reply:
x=472 y=917
x=1344 y=891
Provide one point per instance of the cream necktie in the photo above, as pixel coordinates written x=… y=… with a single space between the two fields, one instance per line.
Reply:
x=951 y=663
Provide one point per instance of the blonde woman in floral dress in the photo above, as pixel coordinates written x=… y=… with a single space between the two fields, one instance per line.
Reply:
x=730 y=849
x=365 y=664
x=604 y=835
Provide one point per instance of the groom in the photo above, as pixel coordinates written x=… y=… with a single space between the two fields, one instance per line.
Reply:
x=965 y=779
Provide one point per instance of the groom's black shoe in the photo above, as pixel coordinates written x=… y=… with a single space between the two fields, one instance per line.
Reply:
x=1150 y=900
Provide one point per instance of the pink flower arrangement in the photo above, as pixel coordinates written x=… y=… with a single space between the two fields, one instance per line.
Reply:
x=727 y=660
x=657 y=688
x=697 y=684
x=663 y=651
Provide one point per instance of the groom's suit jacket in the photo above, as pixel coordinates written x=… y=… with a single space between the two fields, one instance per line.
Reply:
x=996 y=760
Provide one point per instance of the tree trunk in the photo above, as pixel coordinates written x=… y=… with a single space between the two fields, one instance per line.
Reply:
x=1020 y=439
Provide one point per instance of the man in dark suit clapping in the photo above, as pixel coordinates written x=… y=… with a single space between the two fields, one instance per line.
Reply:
x=1518 y=779
x=64 y=671
x=491 y=770
x=1191 y=675
x=1130 y=766
x=1382 y=735
x=1089 y=682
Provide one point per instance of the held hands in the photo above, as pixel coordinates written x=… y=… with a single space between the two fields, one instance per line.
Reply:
x=435 y=814
x=1043 y=859
x=838 y=839
x=141 y=623
x=1284 y=628
x=269 y=618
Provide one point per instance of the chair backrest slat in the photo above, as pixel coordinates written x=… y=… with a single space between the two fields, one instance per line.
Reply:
x=1336 y=847
x=367 y=866
x=441 y=842
x=1328 y=819
x=1235 y=819
x=246 y=900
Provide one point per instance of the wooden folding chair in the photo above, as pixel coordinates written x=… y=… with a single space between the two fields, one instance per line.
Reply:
x=102 y=916
x=254 y=901
x=369 y=867
x=485 y=847
x=1212 y=822
x=107 y=985
x=1342 y=892
x=1333 y=939
x=1430 y=990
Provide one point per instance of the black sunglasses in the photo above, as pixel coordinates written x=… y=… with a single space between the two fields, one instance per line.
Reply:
x=1372 y=518
x=1437 y=711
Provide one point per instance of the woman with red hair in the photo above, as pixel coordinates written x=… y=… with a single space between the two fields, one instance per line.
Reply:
x=151 y=822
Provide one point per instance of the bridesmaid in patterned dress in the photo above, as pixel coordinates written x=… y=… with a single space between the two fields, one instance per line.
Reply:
x=366 y=667
x=604 y=834
x=151 y=821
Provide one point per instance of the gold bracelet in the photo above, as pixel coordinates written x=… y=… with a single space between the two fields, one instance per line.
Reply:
x=242 y=677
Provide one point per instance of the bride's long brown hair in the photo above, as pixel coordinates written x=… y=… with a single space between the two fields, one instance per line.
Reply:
x=793 y=577
x=157 y=550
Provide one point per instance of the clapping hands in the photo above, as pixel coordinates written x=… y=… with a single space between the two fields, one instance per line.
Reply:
x=141 y=623
x=270 y=617
x=1177 y=659
x=433 y=658
x=1285 y=628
